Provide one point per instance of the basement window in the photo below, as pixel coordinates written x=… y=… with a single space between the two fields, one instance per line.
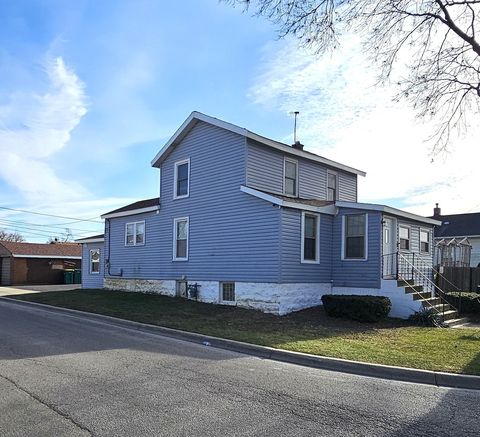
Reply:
x=227 y=290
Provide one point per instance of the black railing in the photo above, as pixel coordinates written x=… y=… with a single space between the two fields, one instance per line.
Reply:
x=417 y=275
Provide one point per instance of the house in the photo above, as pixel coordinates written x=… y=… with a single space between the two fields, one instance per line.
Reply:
x=32 y=263
x=245 y=220
x=92 y=261
x=461 y=227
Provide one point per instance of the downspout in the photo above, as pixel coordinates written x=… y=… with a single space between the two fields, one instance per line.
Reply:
x=107 y=262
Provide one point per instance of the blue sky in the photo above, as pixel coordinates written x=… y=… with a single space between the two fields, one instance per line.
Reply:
x=90 y=90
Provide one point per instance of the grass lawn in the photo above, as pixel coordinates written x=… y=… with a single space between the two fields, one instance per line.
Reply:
x=391 y=342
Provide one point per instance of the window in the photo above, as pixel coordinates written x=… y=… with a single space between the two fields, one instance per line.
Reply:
x=135 y=234
x=94 y=261
x=354 y=231
x=180 y=239
x=404 y=235
x=332 y=186
x=181 y=179
x=310 y=232
x=424 y=241
x=227 y=291
x=290 y=183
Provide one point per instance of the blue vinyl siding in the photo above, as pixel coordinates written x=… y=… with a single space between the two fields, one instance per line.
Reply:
x=232 y=235
x=415 y=228
x=90 y=280
x=292 y=270
x=363 y=274
x=265 y=172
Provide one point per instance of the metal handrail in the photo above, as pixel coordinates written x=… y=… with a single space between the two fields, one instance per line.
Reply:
x=415 y=271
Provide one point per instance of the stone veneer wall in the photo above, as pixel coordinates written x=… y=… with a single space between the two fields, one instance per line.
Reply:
x=267 y=297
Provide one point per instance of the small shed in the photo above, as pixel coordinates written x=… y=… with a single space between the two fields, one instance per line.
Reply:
x=93 y=263
x=35 y=263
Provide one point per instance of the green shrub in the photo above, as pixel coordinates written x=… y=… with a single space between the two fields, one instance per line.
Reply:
x=425 y=317
x=470 y=302
x=361 y=308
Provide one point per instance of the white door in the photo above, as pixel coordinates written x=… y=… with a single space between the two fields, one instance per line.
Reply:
x=389 y=247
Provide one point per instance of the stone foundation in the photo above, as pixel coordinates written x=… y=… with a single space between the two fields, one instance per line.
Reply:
x=272 y=298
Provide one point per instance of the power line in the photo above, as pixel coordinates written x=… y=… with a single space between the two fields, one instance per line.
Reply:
x=54 y=226
x=52 y=215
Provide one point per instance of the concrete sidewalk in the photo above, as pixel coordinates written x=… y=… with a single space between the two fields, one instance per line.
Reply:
x=26 y=289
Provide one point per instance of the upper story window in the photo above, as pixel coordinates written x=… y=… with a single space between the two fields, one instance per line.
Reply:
x=310 y=238
x=94 y=261
x=290 y=180
x=135 y=234
x=181 y=179
x=332 y=184
x=424 y=241
x=354 y=234
x=180 y=239
x=404 y=236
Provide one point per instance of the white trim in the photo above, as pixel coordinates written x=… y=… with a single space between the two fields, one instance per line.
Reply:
x=90 y=261
x=198 y=116
x=90 y=240
x=16 y=255
x=135 y=233
x=317 y=240
x=429 y=241
x=292 y=161
x=334 y=173
x=131 y=212
x=343 y=257
x=175 y=179
x=409 y=228
x=327 y=209
x=388 y=210
x=174 y=252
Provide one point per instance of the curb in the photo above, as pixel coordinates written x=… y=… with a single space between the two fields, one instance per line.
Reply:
x=405 y=374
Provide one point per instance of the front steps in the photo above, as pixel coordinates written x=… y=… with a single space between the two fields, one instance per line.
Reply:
x=448 y=315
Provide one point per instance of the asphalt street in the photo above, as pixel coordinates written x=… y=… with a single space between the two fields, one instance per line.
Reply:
x=65 y=375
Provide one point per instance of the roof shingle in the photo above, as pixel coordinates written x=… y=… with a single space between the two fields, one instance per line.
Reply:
x=57 y=250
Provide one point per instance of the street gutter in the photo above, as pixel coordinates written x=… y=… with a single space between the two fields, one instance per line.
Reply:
x=406 y=374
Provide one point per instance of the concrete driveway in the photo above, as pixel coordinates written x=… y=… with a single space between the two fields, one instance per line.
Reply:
x=63 y=374
x=25 y=289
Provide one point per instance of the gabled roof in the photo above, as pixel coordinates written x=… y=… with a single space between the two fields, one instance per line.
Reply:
x=195 y=117
x=92 y=239
x=458 y=225
x=36 y=250
x=147 y=205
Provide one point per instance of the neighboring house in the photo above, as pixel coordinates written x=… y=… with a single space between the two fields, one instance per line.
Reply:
x=93 y=262
x=259 y=224
x=32 y=263
x=460 y=226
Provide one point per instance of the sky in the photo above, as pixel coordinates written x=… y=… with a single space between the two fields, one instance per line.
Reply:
x=90 y=91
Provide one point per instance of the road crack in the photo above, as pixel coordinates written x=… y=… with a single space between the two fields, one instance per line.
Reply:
x=50 y=406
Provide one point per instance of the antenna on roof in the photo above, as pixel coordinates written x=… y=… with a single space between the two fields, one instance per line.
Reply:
x=296 y=144
x=295 y=126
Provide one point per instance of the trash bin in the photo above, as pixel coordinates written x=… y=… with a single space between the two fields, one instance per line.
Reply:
x=77 y=276
x=68 y=276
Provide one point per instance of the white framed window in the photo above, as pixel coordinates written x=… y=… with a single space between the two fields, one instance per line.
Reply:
x=404 y=237
x=355 y=241
x=310 y=238
x=424 y=241
x=181 y=179
x=332 y=185
x=94 y=261
x=290 y=177
x=180 y=239
x=227 y=291
x=135 y=234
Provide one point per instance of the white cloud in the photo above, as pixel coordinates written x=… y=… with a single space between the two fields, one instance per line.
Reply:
x=343 y=116
x=35 y=126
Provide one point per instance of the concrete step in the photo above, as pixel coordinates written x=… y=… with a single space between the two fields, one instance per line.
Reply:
x=448 y=315
x=423 y=295
x=403 y=283
x=457 y=323
x=430 y=301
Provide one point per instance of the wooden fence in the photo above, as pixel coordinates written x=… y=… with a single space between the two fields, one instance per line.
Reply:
x=465 y=278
